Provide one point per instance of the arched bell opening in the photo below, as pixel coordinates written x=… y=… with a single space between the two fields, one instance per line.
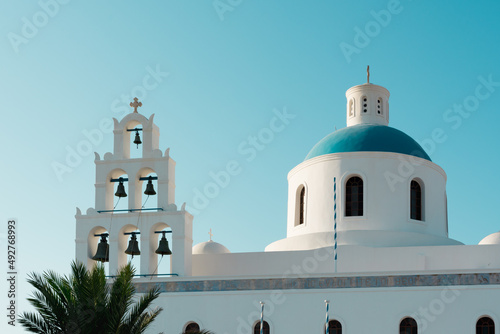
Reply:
x=133 y=139
x=98 y=247
x=161 y=250
x=129 y=247
x=117 y=190
x=146 y=190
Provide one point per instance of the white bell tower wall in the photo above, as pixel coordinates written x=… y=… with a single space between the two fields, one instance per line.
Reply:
x=159 y=213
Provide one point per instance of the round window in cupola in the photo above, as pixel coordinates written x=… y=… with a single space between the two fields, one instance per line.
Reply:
x=380 y=110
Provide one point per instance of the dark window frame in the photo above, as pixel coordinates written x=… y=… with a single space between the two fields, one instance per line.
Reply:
x=416 y=200
x=408 y=326
x=192 y=327
x=354 y=197
x=302 y=206
x=485 y=325
x=256 y=328
x=334 y=327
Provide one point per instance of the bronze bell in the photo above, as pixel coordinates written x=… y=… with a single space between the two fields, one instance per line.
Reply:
x=102 y=253
x=133 y=246
x=150 y=190
x=163 y=247
x=120 y=191
x=137 y=139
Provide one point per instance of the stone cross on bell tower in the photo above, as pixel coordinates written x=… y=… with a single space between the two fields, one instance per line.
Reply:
x=135 y=104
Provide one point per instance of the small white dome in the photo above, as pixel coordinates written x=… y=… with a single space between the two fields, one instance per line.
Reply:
x=210 y=247
x=492 y=239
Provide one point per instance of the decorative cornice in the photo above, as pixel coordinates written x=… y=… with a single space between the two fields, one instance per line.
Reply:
x=366 y=155
x=312 y=283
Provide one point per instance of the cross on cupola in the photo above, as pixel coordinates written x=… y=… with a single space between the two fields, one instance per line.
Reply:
x=210 y=234
x=135 y=104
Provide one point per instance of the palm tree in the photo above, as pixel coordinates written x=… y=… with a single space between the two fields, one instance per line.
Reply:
x=85 y=303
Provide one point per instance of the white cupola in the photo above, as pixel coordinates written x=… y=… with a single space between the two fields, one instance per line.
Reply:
x=367 y=104
x=373 y=182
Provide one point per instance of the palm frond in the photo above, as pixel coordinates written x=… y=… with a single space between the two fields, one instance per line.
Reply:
x=46 y=300
x=85 y=302
x=36 y=324
x=142 y=305
x=120 y=299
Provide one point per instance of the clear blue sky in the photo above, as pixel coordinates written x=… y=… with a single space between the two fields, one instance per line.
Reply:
x=228 y=69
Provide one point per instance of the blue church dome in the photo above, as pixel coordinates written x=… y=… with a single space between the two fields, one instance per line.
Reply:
x=368 y=138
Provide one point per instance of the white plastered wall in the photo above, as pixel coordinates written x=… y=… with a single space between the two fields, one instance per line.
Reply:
x=118 y=164
x=386 y=186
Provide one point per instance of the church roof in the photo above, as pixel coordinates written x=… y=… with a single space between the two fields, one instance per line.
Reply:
x=492 y=239
x=210 y=247
x=368 y=138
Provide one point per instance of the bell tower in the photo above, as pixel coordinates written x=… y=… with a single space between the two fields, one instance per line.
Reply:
x=102 y=234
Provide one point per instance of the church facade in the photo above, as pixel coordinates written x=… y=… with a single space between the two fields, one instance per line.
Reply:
x=367 y=240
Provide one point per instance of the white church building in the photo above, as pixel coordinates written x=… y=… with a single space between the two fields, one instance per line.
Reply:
x=367 y=230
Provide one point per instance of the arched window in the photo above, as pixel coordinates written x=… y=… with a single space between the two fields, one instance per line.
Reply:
x=415 y=200
x=256 y=328
x=354 y=197
x=485 y=326
x=351 y=108
x=408 y=326
x=300 y=205
x=192 y=327
x=334 y=327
